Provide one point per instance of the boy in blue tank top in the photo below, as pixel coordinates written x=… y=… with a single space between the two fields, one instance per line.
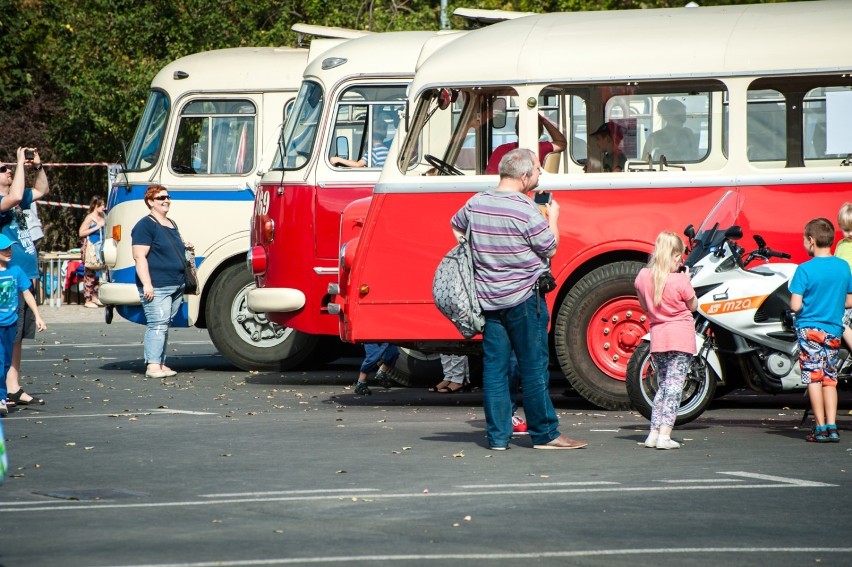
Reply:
x=820 y=289
x=13 y=283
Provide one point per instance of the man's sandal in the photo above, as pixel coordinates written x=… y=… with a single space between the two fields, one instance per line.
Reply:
x=15 y=398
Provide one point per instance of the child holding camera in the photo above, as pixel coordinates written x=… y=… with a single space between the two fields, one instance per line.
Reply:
x=666 y=295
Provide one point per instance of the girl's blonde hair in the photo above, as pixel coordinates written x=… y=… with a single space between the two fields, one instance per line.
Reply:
x=844 y=217
x=668 y=250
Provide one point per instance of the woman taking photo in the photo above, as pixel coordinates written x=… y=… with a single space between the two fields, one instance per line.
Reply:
x=91 y=231
x=159 y=253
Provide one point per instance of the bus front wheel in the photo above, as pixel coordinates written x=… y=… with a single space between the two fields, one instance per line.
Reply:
x=248 y=339
x=597 y=328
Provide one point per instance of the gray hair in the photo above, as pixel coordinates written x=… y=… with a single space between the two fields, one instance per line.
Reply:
x=517 y=163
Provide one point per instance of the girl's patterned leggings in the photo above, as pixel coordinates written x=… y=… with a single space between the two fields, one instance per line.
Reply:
x=672 y=367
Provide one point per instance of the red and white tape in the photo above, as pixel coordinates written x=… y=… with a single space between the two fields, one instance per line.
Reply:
x=62 y=164
x=58 y=204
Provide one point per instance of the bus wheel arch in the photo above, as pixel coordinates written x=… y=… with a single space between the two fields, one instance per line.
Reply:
x=593 y=352
x=248 y=339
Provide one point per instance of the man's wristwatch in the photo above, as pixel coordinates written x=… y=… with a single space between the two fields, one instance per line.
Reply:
x=37 y=167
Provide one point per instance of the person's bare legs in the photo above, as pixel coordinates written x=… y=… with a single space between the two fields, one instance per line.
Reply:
x=817 y=403
x=13 y=382
x=829 y=401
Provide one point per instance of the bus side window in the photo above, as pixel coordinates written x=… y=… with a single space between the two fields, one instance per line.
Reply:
x=364 y=126
x=215 y=137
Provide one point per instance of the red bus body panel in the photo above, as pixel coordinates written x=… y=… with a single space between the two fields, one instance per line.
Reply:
x=405 y=235
x=304 y=250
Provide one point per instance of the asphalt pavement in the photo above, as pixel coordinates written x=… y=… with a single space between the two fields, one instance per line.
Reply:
x=218 y=466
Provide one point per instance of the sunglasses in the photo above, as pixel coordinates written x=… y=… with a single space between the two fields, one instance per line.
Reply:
x=5 y=168
x=163 y=198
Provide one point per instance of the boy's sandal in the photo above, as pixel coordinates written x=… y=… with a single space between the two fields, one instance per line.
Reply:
x=817 y=436
x=15 y=398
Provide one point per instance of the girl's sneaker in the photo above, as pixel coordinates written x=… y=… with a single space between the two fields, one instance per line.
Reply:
x=831 y=431
x=667 y=443
x=651 y=440
x=818 y=434
x=4 y=410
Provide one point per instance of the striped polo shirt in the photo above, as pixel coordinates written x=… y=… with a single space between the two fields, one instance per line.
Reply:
x=511 y=241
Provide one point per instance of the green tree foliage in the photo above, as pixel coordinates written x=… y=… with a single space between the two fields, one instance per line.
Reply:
x=75 y=75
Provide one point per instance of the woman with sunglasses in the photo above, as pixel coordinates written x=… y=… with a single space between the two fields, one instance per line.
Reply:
x=159 y=253
x=15 y=197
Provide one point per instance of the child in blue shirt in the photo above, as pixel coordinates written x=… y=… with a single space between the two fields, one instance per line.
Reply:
x=13 y=282
x=820 y=289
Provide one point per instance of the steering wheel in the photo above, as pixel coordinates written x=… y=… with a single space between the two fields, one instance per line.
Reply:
x=443 y=167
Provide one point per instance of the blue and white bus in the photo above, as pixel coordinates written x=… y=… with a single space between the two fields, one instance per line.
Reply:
x=209 y=120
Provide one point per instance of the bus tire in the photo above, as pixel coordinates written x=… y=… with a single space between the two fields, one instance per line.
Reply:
x=699 y=389
x=415 y=369
x=597 y=327
x=232 y=325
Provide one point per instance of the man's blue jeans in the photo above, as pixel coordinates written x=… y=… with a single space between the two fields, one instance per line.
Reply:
x=522 y=329
x=159 y=313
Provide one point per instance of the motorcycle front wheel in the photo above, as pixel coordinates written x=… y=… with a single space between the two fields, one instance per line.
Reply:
x=699 y=389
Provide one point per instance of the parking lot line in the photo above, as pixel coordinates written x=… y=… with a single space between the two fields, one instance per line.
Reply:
x=504 y=556
x=342 y=495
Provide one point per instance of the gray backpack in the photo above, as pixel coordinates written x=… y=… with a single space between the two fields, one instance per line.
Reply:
x=454 y=292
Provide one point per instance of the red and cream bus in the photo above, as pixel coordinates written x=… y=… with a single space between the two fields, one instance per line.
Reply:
x=348 y=93
x=700 y=101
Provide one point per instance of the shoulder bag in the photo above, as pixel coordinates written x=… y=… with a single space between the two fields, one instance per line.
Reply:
x=93 y=258
x=454 y=292
x=188 y=257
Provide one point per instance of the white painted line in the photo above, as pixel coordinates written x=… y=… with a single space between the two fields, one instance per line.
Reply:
x=699 y=480
x=781 y=479
x=337 y=490
x=536 y=485
x=184 y=412
x=100 y=346
x=74 y=506
x=502 y=556
x=604 y=430
x=93 y=358
x=146 y=413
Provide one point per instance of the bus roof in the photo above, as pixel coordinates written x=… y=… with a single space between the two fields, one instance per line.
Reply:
x=638 y=44
x=235 y=69
x=388 y=53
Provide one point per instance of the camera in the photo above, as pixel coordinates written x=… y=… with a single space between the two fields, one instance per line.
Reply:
x=29 y=154
x=543 y=198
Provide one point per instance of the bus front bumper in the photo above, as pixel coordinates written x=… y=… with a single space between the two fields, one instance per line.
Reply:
x=275 y=300
x=118 y=294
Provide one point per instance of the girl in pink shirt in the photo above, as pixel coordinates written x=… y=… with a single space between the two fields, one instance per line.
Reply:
x=667 y=297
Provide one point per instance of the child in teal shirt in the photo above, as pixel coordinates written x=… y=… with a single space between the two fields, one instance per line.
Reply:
x=13 y=282
x=821 y=288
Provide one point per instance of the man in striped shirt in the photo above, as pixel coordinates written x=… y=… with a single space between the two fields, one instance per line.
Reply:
x=512 y=242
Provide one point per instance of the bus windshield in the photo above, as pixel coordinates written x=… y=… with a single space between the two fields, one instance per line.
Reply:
x=300 y=129
x=145 y=147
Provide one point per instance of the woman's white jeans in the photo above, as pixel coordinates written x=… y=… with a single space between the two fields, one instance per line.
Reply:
x=159 y=313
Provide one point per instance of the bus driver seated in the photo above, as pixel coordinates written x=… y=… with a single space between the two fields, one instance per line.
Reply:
x=607 y=140
x=379 y=145
x=673 y=140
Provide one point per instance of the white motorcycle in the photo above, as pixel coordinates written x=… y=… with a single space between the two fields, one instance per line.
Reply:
x=744 y=329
